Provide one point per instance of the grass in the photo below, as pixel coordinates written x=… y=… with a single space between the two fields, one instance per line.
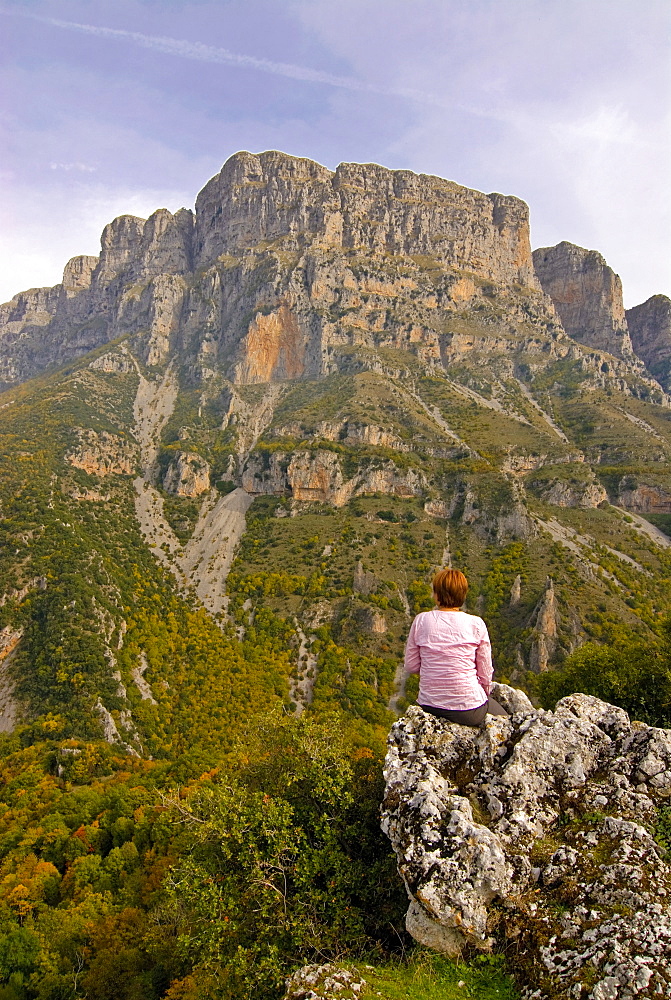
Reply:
x=361 y=399
x=401 y=546
x=661 y=830
x=427 y=976
x=599 y=426
x=181 y=513
x=490 y=432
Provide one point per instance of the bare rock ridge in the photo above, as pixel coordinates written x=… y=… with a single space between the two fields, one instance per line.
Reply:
x=45 y=327
x=189 y=282
x=587 y=294
x=274 y=196
x=650 y=330
x=286 y=265
x=537 y=830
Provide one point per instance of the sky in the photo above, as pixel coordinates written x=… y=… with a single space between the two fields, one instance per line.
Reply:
x=108 y=108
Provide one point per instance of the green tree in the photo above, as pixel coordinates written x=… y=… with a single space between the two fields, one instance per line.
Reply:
x=283 y=861
x=631 y=672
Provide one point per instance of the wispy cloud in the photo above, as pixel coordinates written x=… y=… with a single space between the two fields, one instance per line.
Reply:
x=83 y=168
x=213 y=54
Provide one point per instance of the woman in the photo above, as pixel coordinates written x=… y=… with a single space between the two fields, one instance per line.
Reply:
x=451 y=652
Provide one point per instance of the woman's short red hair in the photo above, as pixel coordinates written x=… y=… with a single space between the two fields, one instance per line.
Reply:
x=450 y=587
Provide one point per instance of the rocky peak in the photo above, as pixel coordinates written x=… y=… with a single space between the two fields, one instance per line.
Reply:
x=650 y=331
x=274 y=196
x=255 y=198
x=139 y=249
x=119 y=245
x=166 y=246
x=546 y=622
x=77 y=274
x=587 y=294
x=516 y=591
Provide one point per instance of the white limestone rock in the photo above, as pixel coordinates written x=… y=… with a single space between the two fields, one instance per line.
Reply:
x=324 y=982
x=537 y=829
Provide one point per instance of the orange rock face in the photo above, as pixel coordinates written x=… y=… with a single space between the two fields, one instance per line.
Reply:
x=644 y=499
x=274 y=348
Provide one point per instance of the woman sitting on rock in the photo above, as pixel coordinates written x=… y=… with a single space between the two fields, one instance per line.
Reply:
x=451 y=652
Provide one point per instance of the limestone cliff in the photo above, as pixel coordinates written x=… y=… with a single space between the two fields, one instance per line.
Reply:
x=650 y=330
x=587 y=294
x=46 y=327
x=275 y=197
x=274 y=237
x=288 y=270
x=319 y=476
x=536 y=830
x=583 y=492
x=642 y=497
x=188 y=475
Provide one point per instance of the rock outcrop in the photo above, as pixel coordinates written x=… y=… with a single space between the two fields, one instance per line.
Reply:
x=364 y=582
x=512 y=521
x=536 y=829
x=643 y=498
x=583 y=493
x=103 y=454
x=587 y=294
x=188 y=475
x=650 y=331
x=324 y=982
x=545 y=622
x=318 y=476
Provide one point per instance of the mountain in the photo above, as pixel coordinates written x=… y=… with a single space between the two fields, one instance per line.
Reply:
x=367 y=358
x=650 y=329
x=237 y=445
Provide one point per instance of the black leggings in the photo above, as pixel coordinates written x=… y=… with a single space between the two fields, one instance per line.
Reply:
x=469 y=717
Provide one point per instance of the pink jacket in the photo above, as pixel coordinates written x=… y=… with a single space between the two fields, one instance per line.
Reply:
x=451 y=652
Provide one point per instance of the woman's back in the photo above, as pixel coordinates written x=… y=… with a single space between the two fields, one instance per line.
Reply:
x=454 y=651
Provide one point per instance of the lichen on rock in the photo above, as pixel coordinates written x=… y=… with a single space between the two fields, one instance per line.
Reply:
x=324 y=982
x=536 y=830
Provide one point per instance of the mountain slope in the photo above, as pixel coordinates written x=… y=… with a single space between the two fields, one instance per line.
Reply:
x=235 y=448
x=366 y=358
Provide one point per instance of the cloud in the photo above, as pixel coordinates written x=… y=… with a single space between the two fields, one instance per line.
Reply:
x=200 y=52
x=83 y=168
x=578 y=104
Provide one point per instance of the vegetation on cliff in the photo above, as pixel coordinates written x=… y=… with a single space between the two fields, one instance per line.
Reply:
x=268 y=389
